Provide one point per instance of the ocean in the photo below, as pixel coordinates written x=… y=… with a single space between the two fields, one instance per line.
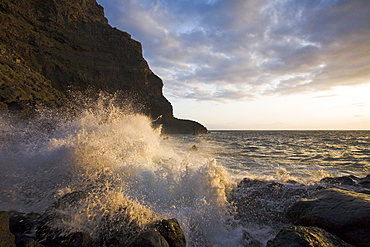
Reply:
x=122 y=163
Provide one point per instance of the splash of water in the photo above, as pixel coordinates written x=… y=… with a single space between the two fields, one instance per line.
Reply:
x=121 y=163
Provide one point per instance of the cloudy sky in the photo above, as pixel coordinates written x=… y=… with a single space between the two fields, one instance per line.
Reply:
x=257 y=64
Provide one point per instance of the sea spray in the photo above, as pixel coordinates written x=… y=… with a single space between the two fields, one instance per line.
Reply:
x=132 y=176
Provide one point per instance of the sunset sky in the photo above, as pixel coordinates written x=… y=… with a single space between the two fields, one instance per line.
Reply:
x=256 y=64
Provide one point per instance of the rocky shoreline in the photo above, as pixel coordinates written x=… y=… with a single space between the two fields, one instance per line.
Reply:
x=332 y=212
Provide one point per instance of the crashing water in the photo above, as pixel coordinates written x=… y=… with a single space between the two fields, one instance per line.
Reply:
x=122 y=163
x=131 y=175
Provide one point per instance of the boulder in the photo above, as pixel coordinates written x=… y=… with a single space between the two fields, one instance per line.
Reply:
x=300 y=236
x=340 y=212
x=150 y=238
x=161 y=234
x=172 y=232
x=6 y=237
x=345 y=180
x=22 y=223
x=264 y=202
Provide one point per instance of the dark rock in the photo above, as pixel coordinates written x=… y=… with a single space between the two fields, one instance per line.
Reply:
x=150 y=238
x=68 y=200
x=77 y=239
x=299 y=236
x=264 y=202
x=24 y=241
x=6 y=237
x=345 y=180
x=172 y=232
x=160 y=234
x=340 y=212
x=22 y=223
x=49 y=235
x=61 y=45
x=248 y=240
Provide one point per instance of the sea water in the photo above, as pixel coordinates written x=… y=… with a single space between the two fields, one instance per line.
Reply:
x=121 y=162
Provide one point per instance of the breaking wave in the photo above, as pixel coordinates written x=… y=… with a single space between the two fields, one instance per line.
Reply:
x=121 y=164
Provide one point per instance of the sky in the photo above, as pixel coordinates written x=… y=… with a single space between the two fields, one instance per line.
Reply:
x=256 y=64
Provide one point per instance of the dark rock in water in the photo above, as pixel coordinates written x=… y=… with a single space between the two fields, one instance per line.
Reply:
x=50 y=47
x=48 y=235
x=22 y=223
x=161 y=234
x=264 y=202
x=6 y=237
x=345 y=180
x=67 y=201
x=172 y=232
x=24 y=241
x=150 y=238
x=24 y=226
x=248 y=240
x=299 y=236
x=340 y=212
x=77 y=239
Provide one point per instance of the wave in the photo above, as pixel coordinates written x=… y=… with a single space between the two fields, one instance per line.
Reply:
x=117 y=158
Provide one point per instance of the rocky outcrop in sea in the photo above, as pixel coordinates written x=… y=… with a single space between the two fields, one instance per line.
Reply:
x=332 y=212
x=50 y=49
x=49 y=229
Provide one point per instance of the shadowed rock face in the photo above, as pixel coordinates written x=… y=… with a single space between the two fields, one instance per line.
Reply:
x=70 y=44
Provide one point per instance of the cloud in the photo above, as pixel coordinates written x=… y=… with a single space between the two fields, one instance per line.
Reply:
x=239 y=50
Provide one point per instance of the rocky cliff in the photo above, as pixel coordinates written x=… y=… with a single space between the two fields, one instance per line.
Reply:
x=49 y=47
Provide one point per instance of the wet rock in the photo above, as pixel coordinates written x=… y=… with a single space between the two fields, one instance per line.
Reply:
x=24 y=241
x=264 y=202
x=172 y=232
x=22 y=223
x=77 y=239
x=340 y=212
x=345 y=180
x=249 y=241
x=161 y=234
x=150 y=238
x=299 y=236
x=6 y=237
x=49 y=235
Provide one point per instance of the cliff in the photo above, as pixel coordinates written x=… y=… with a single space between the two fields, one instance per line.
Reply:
x=49 y=47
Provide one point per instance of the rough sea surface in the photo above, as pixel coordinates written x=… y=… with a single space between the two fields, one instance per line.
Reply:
x=116 y=157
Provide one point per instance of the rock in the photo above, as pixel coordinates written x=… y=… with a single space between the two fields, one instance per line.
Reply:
x=63 y=45
x=22 y=223
x=24 y=241
x=150 y=238
x=49 y=235
x=340 y=212
x=6 y=237
x=345 y=180
x=172 y=232
x=161 y=234
x=78 y=239
x=248 y=240
x=261 y=202
x=299 y=236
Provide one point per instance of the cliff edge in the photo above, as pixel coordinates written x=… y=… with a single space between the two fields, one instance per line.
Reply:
x=49 y=47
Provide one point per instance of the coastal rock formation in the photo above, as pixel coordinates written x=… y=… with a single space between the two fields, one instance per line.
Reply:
x=50 y=47
x=340 y=212
x=6 y=237
x=306 y=237
x=48 y=229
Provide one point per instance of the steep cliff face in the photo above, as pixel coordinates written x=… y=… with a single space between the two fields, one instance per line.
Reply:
x=70 y=44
